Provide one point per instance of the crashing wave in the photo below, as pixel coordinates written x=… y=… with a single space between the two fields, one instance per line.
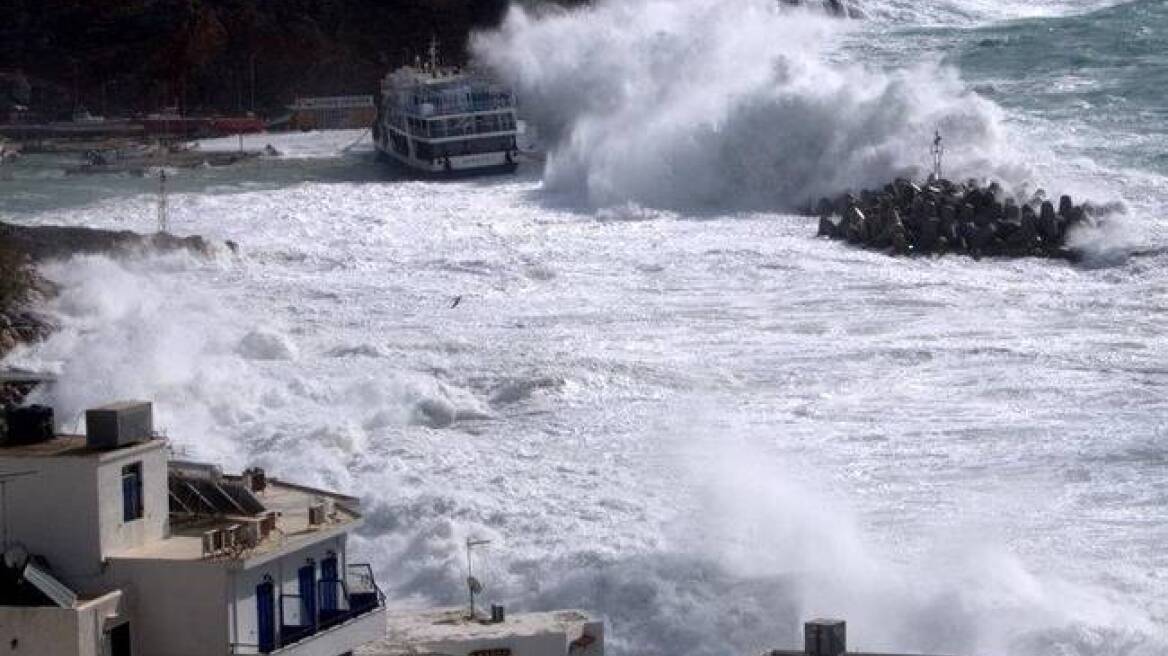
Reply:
x=841 y=8
x=694 y=104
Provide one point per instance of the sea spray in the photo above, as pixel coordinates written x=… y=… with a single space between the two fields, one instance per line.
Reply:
x=714 y=105
x=763 y=549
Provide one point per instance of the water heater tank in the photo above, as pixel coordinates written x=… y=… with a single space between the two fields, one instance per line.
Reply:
x=28 y=424
x=119 y=424
x=825 y=638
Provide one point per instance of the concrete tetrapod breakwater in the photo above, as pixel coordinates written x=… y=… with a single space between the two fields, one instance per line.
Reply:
x=941 y=216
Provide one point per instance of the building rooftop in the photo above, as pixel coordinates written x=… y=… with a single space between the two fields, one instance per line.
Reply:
x=70 y=446
x=288 y=503
x=413 y=633
x=800 y=652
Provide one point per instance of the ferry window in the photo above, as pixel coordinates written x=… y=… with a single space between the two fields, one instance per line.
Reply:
x=132 y=492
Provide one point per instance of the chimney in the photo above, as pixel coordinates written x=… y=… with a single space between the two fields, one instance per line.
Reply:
x=825 y=637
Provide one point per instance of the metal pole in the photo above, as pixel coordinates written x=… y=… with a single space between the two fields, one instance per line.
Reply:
x=469 y=578
x=162 y=227
x=253 y=82
x=4 y=509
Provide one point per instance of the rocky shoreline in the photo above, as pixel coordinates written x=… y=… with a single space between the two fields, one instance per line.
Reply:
x=41 y=243
x=940 y=216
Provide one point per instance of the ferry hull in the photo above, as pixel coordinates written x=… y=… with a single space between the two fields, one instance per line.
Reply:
x=495 y=163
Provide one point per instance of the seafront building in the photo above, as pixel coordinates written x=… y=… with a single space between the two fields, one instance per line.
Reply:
x=111 y=548
x=332 y=113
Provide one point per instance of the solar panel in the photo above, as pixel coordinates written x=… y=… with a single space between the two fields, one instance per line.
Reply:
x=244 y=497
x=200 y=496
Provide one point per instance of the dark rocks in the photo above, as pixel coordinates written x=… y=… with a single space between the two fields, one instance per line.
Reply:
x=49 y=242
x=940 y=217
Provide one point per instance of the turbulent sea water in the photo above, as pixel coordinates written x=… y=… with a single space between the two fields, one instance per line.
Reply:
x=660 y=396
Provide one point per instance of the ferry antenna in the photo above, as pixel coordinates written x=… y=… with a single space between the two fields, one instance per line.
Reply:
x=434 y=54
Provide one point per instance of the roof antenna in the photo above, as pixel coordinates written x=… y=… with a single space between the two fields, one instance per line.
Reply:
x=471 y=582
x=434 y=55
x=938 y=151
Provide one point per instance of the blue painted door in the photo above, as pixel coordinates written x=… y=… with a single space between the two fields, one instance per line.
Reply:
x=266 y=616
x=328 y=579
x=307 y=576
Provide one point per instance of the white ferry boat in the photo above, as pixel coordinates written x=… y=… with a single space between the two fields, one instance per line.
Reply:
x=446 y=121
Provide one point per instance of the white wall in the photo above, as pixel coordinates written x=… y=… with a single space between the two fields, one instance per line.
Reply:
x=54 y=513
x=117 y=535
x=179 y=607
x=70 y=510
x=48 y=630
x=547 y=644
x=42 y=630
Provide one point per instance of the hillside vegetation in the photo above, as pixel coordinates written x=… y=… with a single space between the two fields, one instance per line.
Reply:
x=121 y=56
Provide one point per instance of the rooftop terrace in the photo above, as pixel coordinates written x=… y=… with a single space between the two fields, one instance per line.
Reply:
x=70 y=446
x=426 y=631
x=286 y=509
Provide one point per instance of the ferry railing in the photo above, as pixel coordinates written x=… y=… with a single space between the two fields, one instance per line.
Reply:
x=459 y=103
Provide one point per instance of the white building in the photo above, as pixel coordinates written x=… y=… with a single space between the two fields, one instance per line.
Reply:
x=452 y=632
x=110 y=549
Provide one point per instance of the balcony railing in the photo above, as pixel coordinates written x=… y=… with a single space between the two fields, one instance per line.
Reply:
x=337 y=602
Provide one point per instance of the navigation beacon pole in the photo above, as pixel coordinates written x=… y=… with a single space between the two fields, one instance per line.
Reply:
x=162 y=227
x=938 y=151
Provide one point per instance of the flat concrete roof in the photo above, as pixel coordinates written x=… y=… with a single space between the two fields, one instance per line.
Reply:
x=409 y=632
x=800 y=652
x=71 y=446
x=292 y=528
